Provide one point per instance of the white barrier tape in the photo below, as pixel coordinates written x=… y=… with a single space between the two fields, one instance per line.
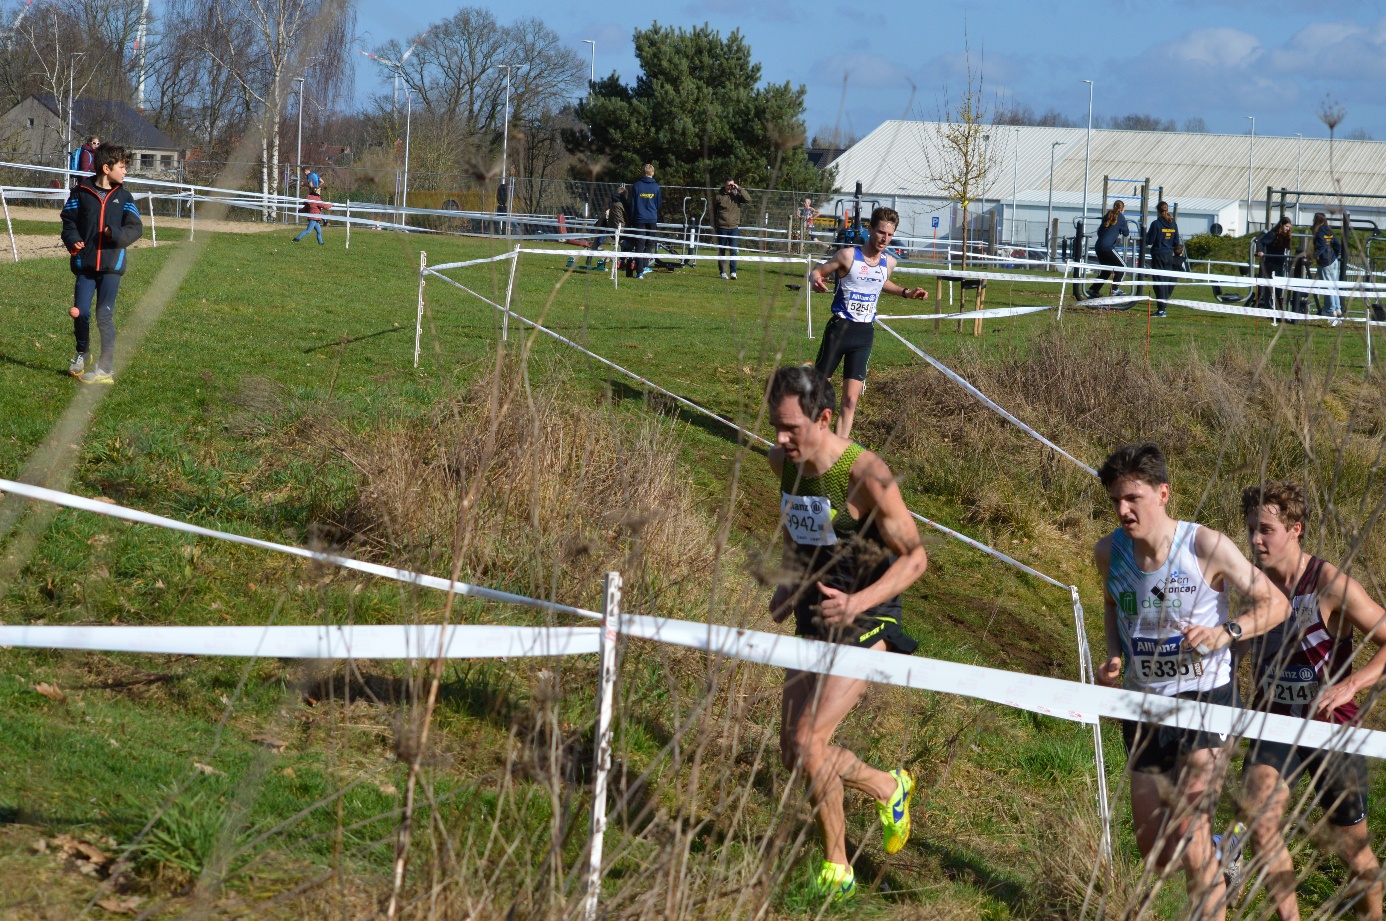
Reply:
x=983 y=398
x=460 y=641
x=1050 y=696
x=987 y=314
x=388 y=572
x=973 y=274
x=1279 y=282
x=461 y=265
x=1280 y=315
x=666 y=257
x=1111 y=301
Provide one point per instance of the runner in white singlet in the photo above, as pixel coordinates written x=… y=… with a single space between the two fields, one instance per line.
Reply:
x=1304 y=668
x=863 y=274
x=1165 y=613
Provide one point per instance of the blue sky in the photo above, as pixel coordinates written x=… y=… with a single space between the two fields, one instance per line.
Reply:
x=1218 y=59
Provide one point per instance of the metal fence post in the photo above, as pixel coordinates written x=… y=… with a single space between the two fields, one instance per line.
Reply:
x=418 y=324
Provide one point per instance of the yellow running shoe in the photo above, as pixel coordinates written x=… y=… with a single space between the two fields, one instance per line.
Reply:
x=895 y=813
x=835 y=882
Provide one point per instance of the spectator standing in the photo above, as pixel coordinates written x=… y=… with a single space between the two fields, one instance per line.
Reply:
x=726 y=223
x=613 y=218
x=503 y=204
x=312 y=180
x=1274 y=247
x=1166 y=252
x=99 y=221
x=647 y=199
x=1328 y=249
x=807 y=212
x=1112 y=231
x=314 y=207
x=86 y=155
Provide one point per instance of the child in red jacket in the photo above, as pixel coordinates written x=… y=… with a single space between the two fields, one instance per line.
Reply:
x=313 y=207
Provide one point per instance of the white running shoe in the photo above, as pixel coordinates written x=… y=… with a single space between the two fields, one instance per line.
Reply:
x=79 y=364
x=722 y=275
x=733 y=276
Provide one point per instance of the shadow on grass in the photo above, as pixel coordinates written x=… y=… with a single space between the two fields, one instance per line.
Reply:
x=654 y=401
x=41 y=369
x=348 y=340
x=966 y=868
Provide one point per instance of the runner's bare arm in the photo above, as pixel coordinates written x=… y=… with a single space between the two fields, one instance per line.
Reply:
x=841 y=261
x=875 y=493
x=1108 y=671
x=890 y=287
x=1351 y=608
x=1223 y=562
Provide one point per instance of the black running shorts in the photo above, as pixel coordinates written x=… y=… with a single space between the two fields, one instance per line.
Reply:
x=1155 y=749
x=880 y=623
x=1340 y=779
x=847 y=343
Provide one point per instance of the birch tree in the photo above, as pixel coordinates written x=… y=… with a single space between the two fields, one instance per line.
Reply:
x=264 y=45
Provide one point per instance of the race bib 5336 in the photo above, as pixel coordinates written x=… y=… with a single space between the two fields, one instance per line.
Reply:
x=1154 y=659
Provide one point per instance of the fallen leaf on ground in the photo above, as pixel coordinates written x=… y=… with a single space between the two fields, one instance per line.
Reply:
x=51 y=691
x=270 y=742
x=287 y=772
x=388 y=789
x=125 y=906
x=103 y=499
x=208 y=769
x=41 y=846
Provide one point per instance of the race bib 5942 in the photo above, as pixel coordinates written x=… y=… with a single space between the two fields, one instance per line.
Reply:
x=808 y=520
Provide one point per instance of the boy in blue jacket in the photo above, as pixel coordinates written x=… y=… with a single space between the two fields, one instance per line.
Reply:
x=99 y=221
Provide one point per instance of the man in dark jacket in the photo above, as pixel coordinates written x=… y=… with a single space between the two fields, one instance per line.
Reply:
x=1166 y=252
x=646 y=200
x=613 y=218
x=99 y=221
x=726 y=223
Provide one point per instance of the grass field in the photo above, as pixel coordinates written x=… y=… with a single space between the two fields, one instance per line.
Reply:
x=273 y=396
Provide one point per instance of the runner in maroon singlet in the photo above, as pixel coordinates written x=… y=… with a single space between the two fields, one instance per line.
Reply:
x=1303 y=667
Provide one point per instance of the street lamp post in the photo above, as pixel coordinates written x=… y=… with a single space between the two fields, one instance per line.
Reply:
x=298 y=156
x=1299 y=183
x=1250 y=167
x=1049 y=216
x=1087 y=151
x=1015 y=176
x=505 y=142
x=71 y=82
x=592 y=78
x=404 y=190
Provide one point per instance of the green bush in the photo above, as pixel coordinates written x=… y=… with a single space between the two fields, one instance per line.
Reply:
x=1220 y=249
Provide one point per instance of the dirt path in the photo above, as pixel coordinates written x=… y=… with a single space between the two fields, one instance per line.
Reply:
x=26 y=213
x=36 y=247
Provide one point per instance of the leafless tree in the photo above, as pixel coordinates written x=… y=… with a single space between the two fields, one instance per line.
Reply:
x=959 y=155
x=454 y=72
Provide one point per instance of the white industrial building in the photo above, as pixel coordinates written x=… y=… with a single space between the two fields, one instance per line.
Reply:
x=1206 y=175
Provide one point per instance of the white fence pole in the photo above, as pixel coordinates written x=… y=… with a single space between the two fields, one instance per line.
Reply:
x=611 y=616
x=1063 y=287
x=509 y=289
x=1087 y=674
x=616 y=260
x=192 y=216
x=348 y=224
x=153 y=228
x=418 y=324
x=808 y=294
x=15 y=248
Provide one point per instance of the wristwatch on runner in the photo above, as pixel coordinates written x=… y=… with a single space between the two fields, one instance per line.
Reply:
x=1234 y=630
